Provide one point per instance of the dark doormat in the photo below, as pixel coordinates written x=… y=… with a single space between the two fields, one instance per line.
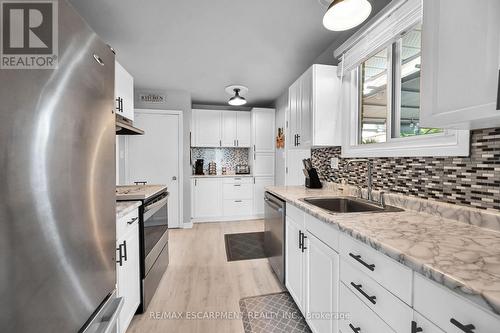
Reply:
x=276 y=313
x=244 y=246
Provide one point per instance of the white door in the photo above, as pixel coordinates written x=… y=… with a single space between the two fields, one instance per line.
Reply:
x=263 y=165
x=306 y=109
x=207 y=128
x=243 y=128
x=229 y=128
x=124 y=90
x=128 y=277
x=156 y=156
x=294 y=279
x=207 y=198
x=260 y=183
x=293 y=115
x=322 y=284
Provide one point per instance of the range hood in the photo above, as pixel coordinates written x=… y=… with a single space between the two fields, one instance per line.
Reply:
x=126 y=127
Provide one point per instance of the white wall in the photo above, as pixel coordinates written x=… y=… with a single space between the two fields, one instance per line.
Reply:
x=281 y=107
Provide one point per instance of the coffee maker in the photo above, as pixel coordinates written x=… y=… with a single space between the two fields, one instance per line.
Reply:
x=198 y=167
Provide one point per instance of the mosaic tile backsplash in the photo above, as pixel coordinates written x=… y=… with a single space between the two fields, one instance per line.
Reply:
x=471 y=181
x=224 y=157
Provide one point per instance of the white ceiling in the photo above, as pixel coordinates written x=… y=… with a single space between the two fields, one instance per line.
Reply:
x=201 y=46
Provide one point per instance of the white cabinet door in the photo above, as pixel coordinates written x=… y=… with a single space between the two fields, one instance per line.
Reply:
x=460 y=63
x=243 y=129
x=124 y=92
x=229 y=128
x=207 y=198
x=128 y=276
x=293 y=115
x=263 y=121
x=322 y=284
x=258 y=193
x=294 y=266
x=306 y=109
x=263 y=164
x=206 y=128
x=295 y=175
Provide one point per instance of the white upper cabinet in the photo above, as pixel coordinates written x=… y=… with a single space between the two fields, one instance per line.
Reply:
x=460 y=64
x=212 y=128
x=229 y=129
x=263 y=130
x=314 y=114
x=124 y=92
x=206 y=126
x=243 y=129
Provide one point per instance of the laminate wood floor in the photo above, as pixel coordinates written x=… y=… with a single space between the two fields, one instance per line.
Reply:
x=200 y=283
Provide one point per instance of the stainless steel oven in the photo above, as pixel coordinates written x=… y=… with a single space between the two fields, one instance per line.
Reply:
x=154 y=245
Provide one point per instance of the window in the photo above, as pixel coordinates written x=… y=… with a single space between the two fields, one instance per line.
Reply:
x=389 y=92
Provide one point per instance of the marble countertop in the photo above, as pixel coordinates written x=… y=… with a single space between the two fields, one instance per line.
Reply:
x=463 y=257
x=221 y=176
x=138 y=192
x=125 y=207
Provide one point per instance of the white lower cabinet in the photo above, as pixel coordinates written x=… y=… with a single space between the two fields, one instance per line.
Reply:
x=322 y=280
x=260 y=183
x=127 y=269
x=206 y=198
x=422 y=325
x=294 y=260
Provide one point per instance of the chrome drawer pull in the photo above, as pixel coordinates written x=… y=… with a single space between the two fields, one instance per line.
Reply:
x=355 y=329
x=358 y=287
x=357 y=257
x=466 y=328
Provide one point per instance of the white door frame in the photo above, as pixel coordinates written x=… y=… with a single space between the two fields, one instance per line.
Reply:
x=180 y=180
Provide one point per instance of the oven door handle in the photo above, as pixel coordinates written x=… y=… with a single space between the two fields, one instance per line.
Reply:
x=150 y=210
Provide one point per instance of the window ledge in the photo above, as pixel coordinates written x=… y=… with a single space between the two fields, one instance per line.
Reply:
x=452 y=143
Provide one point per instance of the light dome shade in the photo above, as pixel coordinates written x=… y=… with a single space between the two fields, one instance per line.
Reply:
x=237 y=100
x=346 y=14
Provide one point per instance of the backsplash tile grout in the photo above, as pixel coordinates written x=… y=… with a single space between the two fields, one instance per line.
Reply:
x=467 y=181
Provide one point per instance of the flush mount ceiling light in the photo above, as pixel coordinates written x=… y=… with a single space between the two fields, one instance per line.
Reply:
x=346 y=14
x=238 y=91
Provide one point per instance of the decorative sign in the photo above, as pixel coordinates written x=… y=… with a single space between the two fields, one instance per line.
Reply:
x=152 y=98
x=280 y=138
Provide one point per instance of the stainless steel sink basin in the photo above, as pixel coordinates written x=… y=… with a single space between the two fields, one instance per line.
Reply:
x=349 y=205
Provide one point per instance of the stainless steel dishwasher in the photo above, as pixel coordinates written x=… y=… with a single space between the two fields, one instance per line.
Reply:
x=274 y=236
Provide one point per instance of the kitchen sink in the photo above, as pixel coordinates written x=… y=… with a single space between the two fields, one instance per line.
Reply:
x=349 y=205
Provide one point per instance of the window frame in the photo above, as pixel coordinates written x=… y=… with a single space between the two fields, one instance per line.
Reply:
x=446 y=143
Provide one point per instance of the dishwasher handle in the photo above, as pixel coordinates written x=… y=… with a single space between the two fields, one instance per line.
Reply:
x=273 y=204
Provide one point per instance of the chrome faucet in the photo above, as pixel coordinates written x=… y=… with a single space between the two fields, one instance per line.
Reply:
x=369 y=177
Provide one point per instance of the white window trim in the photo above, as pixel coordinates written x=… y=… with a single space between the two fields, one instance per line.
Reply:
x=448 y=143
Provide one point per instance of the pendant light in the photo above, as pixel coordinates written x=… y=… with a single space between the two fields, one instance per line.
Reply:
x=346 y=14
x=237 y=100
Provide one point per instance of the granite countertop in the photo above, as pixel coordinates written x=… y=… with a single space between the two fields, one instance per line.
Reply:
x=138 y=192
x=221 y=176
x=461 y=256
x=125 y=207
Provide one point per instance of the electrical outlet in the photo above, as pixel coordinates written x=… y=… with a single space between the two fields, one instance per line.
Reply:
x=334 y=163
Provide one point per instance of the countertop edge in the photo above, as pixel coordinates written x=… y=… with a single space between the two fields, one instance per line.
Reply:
x=125 y=207
x=457 y=286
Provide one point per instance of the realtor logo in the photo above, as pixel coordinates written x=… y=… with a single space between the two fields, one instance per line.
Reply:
x=29 y=34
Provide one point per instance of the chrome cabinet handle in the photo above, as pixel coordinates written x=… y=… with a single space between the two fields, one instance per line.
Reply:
x=303 y=239
x=466 y=328
x=359 y=288
x=125 y=250
x=98 y=59
x=132 y=221
x=120 y=255
x=357 y=257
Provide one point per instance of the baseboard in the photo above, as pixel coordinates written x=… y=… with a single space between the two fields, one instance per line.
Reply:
x=227 y=219
x=187 y=225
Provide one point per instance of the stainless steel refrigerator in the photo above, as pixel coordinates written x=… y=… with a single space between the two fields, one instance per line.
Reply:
x=57 y=188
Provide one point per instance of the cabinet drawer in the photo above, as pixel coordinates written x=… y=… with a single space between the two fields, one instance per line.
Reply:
x=360 y=316
x=237 y=180
x=442 y=306
x=327 y=233
x=124 y=224
x=295 y=214
x=237 y=191
x=425 y=325
x=391 y=309
x=390 y=274
x=237 y=207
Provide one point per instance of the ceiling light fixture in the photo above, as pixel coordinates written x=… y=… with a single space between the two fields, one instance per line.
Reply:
x=346 y=14
x=237 y=92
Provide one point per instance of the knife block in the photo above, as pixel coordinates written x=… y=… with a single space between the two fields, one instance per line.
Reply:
x=313 y=180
